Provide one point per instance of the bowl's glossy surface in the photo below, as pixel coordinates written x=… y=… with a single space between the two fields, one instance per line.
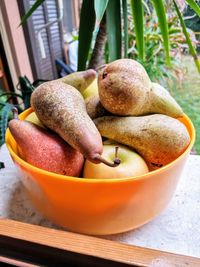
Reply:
x=103 y=206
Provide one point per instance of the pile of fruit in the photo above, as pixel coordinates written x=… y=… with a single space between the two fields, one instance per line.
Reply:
x=122 y=127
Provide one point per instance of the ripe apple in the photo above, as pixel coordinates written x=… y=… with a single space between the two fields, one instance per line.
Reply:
x=92 y=89
x=131 y=164
x=32 y=117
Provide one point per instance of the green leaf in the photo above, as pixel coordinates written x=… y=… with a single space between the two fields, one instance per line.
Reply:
x=31 y=10
x=113 y=17
x=137 y=12
x=125 y=18
x=4 y=121
x=10 y=94
x=194 y=6
x=191 y=48
x=86 y=27
x=26 y=88
x=174 y=30
x=162 y=21
x=100 y=7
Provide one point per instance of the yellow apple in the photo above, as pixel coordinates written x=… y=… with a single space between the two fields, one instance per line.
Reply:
x=92 y=89
x=132 y=164
x=32 y=117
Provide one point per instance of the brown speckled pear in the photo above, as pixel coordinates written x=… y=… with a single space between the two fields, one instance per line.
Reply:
x=125 y=89
x=80 y=79
x=94 y=107
x=61 y=108
x=158 y=138
x=46 y=150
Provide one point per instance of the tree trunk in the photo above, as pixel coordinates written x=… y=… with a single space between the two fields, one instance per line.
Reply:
x=97 y=53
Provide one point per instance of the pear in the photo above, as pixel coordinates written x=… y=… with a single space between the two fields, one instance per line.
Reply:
x=94 y=107
x=158 y=138
x=91 y=90
x=46 y=150
x=32 y=117
x=80 y=79
x=61 y=108
x=125 y=89
x=162 y=102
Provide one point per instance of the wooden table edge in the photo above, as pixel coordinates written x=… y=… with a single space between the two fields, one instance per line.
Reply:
x=20 y=240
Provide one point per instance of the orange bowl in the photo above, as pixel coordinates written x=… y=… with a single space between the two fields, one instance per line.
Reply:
x=100 y=206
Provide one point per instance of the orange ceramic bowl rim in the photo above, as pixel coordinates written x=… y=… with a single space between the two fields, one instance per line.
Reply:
x=52 y=175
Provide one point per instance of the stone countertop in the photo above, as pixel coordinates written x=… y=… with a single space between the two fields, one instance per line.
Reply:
x=176 y=229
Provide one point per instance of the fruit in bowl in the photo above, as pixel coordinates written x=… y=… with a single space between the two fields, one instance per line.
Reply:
x=158 y=138
x=101 y=205
x=44 y=149
x=32 y=117
x=131 y=164
x=126 y=89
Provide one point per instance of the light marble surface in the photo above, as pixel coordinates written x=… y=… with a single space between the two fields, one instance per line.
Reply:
x=176 y=229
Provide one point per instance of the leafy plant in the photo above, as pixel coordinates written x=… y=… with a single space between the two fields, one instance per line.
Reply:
x=7 y=100
x=5 y=115
x=116 y=12
x=192 y=21
x=154 y=61
x=191 y=48
x=118 y=40
x=31 y=10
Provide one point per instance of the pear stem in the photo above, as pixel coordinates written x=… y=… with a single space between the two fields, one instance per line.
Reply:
x=15 y=112
x=115 y=163
x=116 y=155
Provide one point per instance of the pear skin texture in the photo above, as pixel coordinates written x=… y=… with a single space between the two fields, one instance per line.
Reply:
x=94 y=107
x=61 y=108
x=46 y=150
x=91 y=90
x=158 y=138
x=124 y=87
x=80 y=79
x=162 y=102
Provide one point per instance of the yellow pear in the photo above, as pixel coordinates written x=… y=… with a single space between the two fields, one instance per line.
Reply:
x=91 y=90
x=80 y=79
x=158 y=138
x=32 y=117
